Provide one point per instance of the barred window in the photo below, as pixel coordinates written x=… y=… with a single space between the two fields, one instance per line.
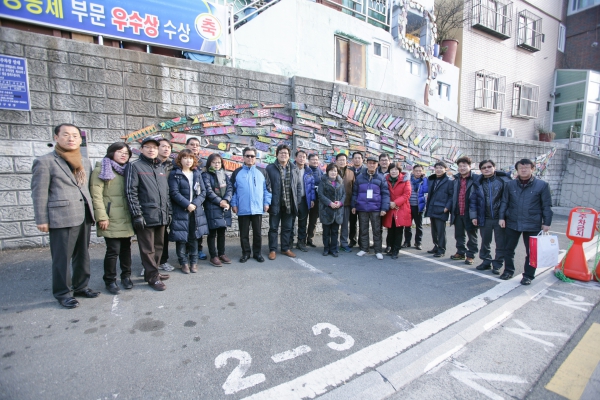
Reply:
x=489 y=91
x=493 y=17
x=530 y=31
x=525 y=100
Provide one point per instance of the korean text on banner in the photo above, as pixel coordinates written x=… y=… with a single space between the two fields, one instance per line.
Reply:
x=194 y=25
x=543 y=251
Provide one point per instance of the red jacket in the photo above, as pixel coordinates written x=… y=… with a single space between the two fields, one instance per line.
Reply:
x=399 y=194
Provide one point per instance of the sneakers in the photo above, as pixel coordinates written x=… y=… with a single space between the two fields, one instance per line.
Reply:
x=496 y=271
x=506 y=276
x=457 y=257
x=525 y=281
x=418 y=246
x=469 y=261
x=439 y=255
x=201 y=255
x=215 y=261
x=387 y=250
x=406 y=245
x=361 y=253
x=158 y=285
x=166 y=267
x=379 y=256
x=483 y=267
x=347 y=249
x=433 y=251
x=142 y=274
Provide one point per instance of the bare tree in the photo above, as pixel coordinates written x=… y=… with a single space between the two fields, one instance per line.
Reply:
x=449 y=15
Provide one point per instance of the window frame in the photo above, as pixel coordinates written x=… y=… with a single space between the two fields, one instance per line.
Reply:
x=529 y=31
x=413 y=64
x=350 y=73
x=492 y=87
x=562 y=37
x=442 y=85
x=499 y=25
x=530 y=103
x=382 y=45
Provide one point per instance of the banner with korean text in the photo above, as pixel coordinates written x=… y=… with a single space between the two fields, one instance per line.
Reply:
x=193 y=25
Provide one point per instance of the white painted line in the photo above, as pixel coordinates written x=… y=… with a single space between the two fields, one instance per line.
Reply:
x=321 y=379
x=496 y=321
x=290 y=354
x=526 y=332
x=467 y=377
x=306 y=265
x=114 y=310
x=441 y=358
x=558 y=233
x=467 y=271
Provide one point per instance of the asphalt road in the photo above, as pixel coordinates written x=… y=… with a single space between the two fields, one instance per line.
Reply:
x=228 y=332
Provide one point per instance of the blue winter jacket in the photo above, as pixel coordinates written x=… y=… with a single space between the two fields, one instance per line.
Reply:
x=379 y=201
x=317 y=175
x=251 y=190
x=179 y=190
x=309 y=185
x=421 y=187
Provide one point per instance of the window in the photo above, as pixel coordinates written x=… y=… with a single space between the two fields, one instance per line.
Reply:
x=525 y=100
x=413 y=67
x=381 y=49
x=530 y=31
x=444 y=91
x=579 y=5
x=493 y=17
x=562 y=37
x=350 y=62
x=489 y=91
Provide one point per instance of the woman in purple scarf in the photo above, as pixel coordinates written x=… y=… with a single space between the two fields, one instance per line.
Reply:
x=107 y=187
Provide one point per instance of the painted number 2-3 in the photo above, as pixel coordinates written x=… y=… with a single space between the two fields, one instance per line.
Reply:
x=236 y=381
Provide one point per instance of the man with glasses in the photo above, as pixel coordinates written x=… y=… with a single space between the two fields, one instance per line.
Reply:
x=464 y=231
x=285 y=191
x=347 y=175
x=485 y=213
x=164 y=156
x=307 y=197
x=147 y=193
x=251 y=197
x=313 y=215
x=62 y=205
x=526 y=210
x=357 y=168
x=193 y=144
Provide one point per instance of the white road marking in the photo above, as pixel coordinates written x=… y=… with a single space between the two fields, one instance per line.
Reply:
x=334 y=332
x=290 y=354
x=306 y=265
x=496 y=321
x=442 y=358
x=236 y=380
x=467 y=271
x=577 y=303
x=467 y=377
x=558 y=233
x=527 y=332
x=114 y=310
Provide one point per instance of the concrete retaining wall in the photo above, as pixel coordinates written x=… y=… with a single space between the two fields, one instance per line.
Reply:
x=581 y=182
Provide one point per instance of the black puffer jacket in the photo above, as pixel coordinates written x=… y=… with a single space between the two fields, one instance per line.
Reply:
x=491 y=190
x=439 y=197
x=525 y=208
x=147 y=191
x=216 y=216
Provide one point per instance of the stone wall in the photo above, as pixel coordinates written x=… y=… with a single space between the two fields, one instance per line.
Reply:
x=581 y=182
x=109 y=92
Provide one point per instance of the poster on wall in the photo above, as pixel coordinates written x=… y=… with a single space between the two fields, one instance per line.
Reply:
x=192 y=25
x=14 y=84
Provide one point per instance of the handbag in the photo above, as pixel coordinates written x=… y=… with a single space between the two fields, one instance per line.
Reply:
x=543 y=250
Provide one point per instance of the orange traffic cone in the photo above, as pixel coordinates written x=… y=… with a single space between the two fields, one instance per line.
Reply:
x=575 y=264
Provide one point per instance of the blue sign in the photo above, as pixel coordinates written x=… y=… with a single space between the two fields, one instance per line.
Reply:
x=193 y=25
x=14 y=85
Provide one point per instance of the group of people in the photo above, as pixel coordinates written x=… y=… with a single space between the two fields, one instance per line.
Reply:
x=161 y=199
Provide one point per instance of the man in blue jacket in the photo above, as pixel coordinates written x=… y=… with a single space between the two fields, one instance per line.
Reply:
x=307 y=197
x=525 y=210
x=418 y=183
x=439 y=204
x=251 y=198
x=313 y=214
x=371 y=200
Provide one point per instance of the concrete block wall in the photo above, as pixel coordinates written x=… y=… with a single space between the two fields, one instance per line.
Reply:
x=109 y=92
x=581 y=182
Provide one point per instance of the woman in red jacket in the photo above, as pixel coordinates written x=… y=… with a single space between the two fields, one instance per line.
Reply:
x=399 y=214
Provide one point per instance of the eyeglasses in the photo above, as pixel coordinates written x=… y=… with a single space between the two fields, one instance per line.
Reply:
x=150 y=147
x=487 y=167
x=249 y=156
x=124 y=152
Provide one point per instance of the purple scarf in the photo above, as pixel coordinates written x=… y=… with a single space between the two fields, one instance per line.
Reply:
x=108 y=166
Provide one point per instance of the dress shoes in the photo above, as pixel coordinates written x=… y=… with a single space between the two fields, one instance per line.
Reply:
x=483 y=266
x=68 y=302
x=185 y=268
x=224 y=259
x=126 y=282
x=418 y=246
x=163 y=277
x=310 y=243
x=215 y=262
x=113 y=288
x=87 y=292
x=433 y=251
x=506 y=276
x=272 y=255
x=158 y=285
x=244 y=258
x=193 y=268
x=288 y=253
x=259 y=258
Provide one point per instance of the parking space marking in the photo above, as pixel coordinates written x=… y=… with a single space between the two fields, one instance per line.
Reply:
x=573 y=375
x=526 y=332
x=467 y=271
x=468 y=378
x=291 y=354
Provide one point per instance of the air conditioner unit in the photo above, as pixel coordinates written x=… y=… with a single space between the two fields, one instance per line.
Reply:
x=508 y=132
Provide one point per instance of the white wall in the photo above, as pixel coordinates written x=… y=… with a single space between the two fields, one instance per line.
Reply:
x=296 y=38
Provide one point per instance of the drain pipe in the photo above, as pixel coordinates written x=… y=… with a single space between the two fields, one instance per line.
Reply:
x=232 y=35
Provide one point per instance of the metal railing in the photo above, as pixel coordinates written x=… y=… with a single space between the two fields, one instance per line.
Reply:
x=247 y=10
x=584 y=142
x=494 y=17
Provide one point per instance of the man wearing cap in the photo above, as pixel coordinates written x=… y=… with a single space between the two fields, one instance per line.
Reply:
x=147 y=193
x=371 y=200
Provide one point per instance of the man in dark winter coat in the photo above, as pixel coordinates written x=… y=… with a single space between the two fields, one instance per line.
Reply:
x=147 y=193
x=371 y=200
x=285 y=191
x=463 y=228
x=164 y=155
x=439 y=204
x=526 y=210
x=417 y=200
x=313 y=214
x=307 y=197
x=484 y=205
x=357 y=168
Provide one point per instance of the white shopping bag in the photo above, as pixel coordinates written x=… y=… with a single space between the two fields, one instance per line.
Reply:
x=543 y=250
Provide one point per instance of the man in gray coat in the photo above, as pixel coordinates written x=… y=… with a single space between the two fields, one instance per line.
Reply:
x=62 y=206
x=526 y=209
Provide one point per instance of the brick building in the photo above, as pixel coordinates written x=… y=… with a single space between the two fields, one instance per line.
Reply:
x=582 y=47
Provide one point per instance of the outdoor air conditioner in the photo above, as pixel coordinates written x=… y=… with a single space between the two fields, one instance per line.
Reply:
x=508 y=132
